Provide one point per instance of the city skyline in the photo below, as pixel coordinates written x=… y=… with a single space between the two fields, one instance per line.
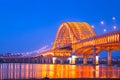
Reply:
x=27 y=26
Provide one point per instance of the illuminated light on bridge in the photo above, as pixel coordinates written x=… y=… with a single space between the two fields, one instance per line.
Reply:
x=114 y=22
x=97 y=59
x=113 y=18
x=70 y=59
x=92 y=26
x=102 y=22
x=114 y=27
x=105 y=30
x=54 y=60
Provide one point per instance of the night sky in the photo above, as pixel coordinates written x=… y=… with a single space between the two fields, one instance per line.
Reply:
x=27 y=25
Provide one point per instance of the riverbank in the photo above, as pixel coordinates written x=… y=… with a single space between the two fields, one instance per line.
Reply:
x=69 y=79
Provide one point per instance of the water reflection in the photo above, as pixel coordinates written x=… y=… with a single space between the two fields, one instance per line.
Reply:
x=25 y=71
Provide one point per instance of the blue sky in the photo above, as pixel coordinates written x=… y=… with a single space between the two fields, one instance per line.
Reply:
x=27 y=25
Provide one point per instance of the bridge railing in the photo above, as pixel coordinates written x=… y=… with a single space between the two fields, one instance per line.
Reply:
x=108 y=38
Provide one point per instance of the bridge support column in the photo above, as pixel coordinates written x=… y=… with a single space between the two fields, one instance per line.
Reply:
x=48 y=60
x=73 y=59
x=42 y=60
x=69 y=60
x=95 y=57
x=61 y=61
x=22 y=60
x=85 y=60
x=45 y=60
x=39 y=60
x=53 y=60
x=109 y=57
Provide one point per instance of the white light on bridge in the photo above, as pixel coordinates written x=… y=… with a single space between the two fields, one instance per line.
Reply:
x=102 y=22
x=92 y=26
x=114 y=27
x=69 y=60
x=54 y=60
x=105 y=30
x=113 y=18
x=73 y=57
x=97 y=59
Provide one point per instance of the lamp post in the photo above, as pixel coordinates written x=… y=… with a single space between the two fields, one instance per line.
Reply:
x=92 y=26
x=102 y=23
x=114 y=23
x=105 y=30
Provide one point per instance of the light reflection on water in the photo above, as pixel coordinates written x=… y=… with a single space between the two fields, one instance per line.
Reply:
x=20 y=71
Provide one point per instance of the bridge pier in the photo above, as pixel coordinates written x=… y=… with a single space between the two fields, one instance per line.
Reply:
x=109 y=57
x=85 y=60
x=38 y=60
x=42 y=60
x=95 y=57
x=48 y=60
x=22 y=60
x=61 y=61
x=73 y=59
x=69 y=59
x=54 y=60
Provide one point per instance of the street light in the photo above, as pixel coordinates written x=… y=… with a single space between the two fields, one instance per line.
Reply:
x=92 y=26
x=113 y=18
x=114 y=23
x=102 y=22
x=105 y=30
x=114 y=27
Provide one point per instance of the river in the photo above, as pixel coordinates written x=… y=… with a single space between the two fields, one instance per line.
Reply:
x=27 y=71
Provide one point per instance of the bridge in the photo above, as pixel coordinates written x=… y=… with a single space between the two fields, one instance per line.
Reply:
x=79 y=40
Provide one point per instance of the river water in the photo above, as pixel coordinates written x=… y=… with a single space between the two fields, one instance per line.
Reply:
x=27 y=71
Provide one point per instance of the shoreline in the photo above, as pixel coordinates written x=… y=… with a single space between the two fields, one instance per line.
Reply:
x=67 y=79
